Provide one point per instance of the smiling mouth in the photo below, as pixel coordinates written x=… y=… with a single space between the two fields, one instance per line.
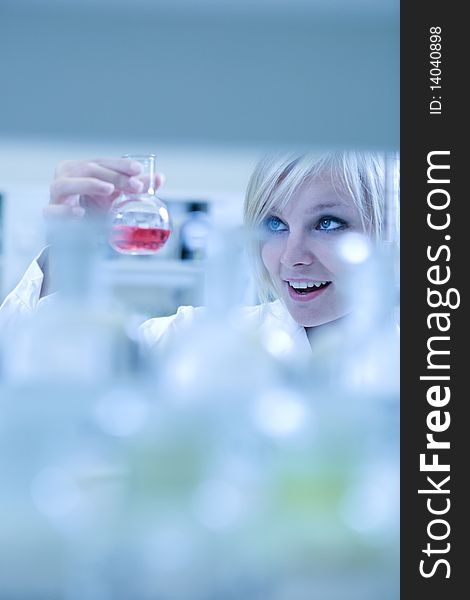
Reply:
x=304 y=288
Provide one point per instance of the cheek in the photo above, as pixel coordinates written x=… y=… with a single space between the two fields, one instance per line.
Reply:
x=270 y=254
x=327 y=255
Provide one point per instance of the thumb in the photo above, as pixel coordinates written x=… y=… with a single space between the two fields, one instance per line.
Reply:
x=159 y=180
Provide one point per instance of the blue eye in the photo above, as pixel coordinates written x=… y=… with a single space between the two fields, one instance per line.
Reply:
x=275 y=224
x=330 y=224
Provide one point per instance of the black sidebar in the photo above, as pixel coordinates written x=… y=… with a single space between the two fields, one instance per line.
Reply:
x=435 y=435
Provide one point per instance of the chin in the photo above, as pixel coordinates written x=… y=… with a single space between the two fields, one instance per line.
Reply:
x=310 y=318
x=312 y=321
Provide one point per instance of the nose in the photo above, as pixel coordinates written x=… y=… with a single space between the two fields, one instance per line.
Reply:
x=296 y=251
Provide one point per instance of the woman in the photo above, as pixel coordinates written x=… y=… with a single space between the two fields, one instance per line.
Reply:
x=299 y=208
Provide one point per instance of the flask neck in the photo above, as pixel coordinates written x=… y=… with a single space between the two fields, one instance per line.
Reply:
x=147 y=162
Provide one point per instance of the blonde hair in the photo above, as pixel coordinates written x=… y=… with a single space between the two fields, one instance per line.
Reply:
x=276 y=178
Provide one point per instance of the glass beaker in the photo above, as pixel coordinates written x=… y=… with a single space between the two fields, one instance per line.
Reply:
x=139 y=223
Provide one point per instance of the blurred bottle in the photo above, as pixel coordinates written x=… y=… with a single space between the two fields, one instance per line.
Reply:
x=76 y=334
x=194 y=232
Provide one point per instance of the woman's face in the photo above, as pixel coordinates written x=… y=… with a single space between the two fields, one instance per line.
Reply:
x=300 y=251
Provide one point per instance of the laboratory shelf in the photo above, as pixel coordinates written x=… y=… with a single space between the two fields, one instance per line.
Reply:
x=154 y=272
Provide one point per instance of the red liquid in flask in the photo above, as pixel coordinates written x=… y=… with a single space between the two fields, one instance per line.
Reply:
x=137 y=239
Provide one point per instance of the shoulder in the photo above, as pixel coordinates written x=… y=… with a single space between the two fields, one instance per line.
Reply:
x=161 y=330
x=266 y=311
x=156 y=330
x=25 y=298
x=262 y=316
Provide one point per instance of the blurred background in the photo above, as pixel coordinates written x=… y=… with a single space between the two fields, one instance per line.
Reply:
x=208 y=86
x=178 y=478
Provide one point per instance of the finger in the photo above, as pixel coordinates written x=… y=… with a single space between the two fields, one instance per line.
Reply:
x=81 y=168
x=120 y=182
x=60 y=211
x=158 y=180
x=102 y=203
x=125 y=166
x=87 y=168
x=65 y=187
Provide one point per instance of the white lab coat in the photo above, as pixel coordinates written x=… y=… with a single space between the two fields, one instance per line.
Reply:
x=265 y=318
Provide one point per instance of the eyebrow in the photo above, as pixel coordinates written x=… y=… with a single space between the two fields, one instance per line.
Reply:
x=276 y=211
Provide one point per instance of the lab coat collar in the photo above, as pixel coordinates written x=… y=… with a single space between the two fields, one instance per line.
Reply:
x=278 y=318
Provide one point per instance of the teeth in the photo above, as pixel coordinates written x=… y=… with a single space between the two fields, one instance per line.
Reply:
x=303 y=285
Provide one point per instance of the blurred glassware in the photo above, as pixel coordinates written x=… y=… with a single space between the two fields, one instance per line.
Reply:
x=234 y=452
x=78 y=333
x=194 y=232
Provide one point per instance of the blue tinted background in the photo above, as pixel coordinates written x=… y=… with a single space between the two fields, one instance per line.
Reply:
x=257 y=72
